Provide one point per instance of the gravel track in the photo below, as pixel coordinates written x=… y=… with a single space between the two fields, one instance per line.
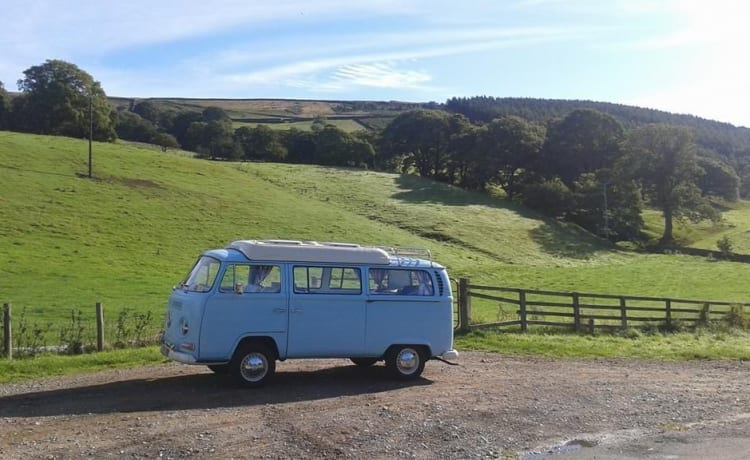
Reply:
x=491 y=406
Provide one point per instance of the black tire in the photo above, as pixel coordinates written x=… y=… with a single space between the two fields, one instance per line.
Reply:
x=405 y=362
x=219 y=368
x=253 y=365
x=364 y=362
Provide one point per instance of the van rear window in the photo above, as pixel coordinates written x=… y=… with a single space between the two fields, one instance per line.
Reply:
x=384 y=281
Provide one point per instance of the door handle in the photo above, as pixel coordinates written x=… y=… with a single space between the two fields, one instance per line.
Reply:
x=297 y=311
x=280 y=310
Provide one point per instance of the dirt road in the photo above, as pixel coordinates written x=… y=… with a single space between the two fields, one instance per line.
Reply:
x=492 y=406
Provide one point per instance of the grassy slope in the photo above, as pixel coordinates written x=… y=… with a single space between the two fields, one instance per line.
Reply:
x=126 y=237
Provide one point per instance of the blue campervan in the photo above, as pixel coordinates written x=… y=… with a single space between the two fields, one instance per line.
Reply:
x=242 y=308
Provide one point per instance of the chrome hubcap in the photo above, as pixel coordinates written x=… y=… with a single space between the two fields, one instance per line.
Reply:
x=254 y=367
x=407 y=361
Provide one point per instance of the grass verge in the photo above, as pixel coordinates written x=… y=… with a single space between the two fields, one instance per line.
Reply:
x=50 y=365
x=731 y=345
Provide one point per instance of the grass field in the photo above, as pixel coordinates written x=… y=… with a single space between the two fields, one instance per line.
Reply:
x=347 y=125
x=127 y=236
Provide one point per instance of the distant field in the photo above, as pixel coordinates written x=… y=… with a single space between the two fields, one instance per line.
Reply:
x=127 y=236
x=290 y=113
x=344 y=125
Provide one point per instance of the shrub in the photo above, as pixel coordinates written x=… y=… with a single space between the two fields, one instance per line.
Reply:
x=725 y=245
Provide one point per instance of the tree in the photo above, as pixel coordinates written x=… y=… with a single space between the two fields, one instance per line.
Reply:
x=300 y=145
x=130 y=126
x=420 y=138
x=181 y=124
x=584 y=141
x=607 y=205
x=718 y=179
x=662 y=159
x=336 y=147
x=148 y=111
x=215 y=114
x=55 y=100
x=551 y=197
x=259 y=143
x=512 y=145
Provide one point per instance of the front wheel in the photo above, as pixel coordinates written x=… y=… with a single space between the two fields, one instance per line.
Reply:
x=253 y=365
x=405 y=362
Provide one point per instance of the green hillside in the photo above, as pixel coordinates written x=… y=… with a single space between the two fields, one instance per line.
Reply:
x=126 y=236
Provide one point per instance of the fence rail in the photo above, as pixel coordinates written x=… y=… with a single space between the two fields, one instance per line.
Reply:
x=582 y=311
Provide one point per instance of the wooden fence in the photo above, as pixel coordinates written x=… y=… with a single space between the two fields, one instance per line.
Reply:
x=582 y=311
x=124 y=330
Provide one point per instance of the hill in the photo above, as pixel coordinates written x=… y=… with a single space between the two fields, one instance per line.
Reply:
x=724 y=139
x=129 y=234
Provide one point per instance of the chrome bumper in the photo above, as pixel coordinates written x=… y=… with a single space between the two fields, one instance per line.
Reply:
x=180 y=357
x=450 y=355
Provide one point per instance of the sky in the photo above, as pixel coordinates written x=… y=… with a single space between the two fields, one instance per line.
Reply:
x=682 y=56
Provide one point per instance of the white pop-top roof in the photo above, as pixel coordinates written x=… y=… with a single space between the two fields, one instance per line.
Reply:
x=311 y=251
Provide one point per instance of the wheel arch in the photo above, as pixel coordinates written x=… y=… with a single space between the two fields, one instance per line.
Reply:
x=265 y=340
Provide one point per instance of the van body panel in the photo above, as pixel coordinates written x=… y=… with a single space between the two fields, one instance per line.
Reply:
x=407 y=321
x=326 y=325
x=229 y=316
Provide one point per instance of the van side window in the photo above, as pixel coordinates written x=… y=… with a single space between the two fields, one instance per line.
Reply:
x=327 y=280
x=400 y=282
x=252 y=278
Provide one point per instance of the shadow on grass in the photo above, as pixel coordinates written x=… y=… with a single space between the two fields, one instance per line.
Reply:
x=565 y=240
x=201 y=391
x=554 y=238
x=420 y=190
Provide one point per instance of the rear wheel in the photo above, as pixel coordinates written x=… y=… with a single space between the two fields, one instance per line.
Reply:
x=405 y=362
x=364 y=362
x=253 y=365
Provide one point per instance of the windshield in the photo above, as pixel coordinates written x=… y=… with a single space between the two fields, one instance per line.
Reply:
x=202 y=276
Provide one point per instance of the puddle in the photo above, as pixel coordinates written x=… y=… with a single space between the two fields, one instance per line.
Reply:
x=569 y=447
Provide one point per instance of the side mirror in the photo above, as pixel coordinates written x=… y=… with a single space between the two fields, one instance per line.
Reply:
x=238 y=288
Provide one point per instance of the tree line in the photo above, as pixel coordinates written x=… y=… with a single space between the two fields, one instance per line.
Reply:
x=583 y=166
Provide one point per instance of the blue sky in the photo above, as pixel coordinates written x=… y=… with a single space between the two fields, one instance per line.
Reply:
x=681 y=56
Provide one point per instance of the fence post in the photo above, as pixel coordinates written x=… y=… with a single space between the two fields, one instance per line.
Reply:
x=591 y=326
x=7 y=336
x=623 y=313
x=464 y=305
x=522 y=309
x=576 y=312
x=99 y=327
x=668 y=308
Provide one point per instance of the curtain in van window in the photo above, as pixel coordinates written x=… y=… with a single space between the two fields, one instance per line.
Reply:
x=378 y=276
x=258 y=273
x=425 y=283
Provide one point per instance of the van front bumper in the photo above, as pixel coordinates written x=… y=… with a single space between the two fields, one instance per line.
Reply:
x=180 y=357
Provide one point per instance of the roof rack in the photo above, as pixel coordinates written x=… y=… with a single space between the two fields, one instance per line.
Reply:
x=326 y=251
x=408 y=251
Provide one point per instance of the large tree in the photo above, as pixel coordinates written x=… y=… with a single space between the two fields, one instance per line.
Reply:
x=420 y=139
x=511 y=145
x=59 y=98
x=583 y=142
x=259 y=143
x=718 y=179
x=662 y=159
